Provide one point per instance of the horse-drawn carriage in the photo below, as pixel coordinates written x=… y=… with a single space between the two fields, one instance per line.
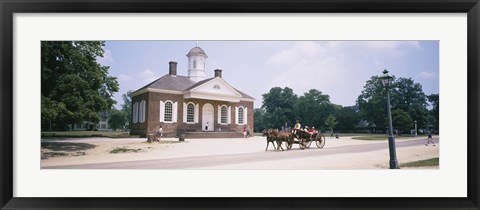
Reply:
x=303 y=138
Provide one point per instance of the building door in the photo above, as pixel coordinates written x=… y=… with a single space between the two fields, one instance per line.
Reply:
x=207 y=118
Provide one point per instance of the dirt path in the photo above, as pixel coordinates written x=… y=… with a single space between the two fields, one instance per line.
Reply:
x=239 y=153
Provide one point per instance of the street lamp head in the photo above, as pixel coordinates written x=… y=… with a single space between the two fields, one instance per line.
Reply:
x=386 y=78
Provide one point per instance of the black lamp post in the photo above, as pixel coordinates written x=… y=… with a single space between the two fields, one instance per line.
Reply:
x=387 y=80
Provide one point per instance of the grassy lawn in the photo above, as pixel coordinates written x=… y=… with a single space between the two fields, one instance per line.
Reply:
x=66 y=146
x=422 y=163
x=61 y=149
x=124 y=150
x=80 y=134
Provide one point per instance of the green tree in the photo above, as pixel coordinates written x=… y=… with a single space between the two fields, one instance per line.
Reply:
x=372 y=103
x=127 y=107
x=348 y=118
x=434 y=102
x=117 y=119
x=279 y=106
x=401 y=120
x=405 y=95
x=331 y=122
x=313 y=108
x=259 y=123
x=409 y=97
x=74 y=86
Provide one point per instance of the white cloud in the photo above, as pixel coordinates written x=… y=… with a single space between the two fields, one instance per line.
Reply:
x=307 y=65
x=326 y=66
x=391 y=45
x=426 y=75
x=415 y=44
x=124 y=78
x=148 y=75
x=107 y=57
x=299 y=51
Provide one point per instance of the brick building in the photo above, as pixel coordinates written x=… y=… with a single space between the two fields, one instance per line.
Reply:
x=191 y=104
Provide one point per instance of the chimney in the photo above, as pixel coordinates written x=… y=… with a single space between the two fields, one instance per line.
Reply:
x=218 y=73
x=173 y=68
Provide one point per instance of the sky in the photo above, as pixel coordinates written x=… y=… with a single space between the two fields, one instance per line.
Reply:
x=339 y=69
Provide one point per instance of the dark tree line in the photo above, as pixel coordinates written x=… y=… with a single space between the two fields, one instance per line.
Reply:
x=409 y=103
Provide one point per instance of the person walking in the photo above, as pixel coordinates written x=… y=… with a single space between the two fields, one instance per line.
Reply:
x=244 y=132
x=429 y=139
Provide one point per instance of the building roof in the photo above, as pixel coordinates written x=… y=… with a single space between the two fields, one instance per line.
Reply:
x=243 y=94
x=199 y=83
x=169 y=82
x=181 y=83
x=196 y=51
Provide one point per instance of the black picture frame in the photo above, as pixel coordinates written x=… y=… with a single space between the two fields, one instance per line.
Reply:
x=10 y=7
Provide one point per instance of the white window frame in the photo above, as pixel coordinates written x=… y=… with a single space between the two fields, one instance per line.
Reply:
x=163 y=111
x=241 y=116
x=141 y=112
x=135 y=112
x=244 y=116
x=222 y=116
x=192 y=114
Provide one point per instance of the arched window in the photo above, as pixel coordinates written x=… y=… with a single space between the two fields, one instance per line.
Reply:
x=223 y=114
x=194 y=64
x=168 y=111
x=240 y=115
x=190 y=112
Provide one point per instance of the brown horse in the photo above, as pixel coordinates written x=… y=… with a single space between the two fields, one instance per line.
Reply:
x=269 y=133
x=284 y=136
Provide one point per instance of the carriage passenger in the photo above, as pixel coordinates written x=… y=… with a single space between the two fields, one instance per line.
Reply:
x=309 y=130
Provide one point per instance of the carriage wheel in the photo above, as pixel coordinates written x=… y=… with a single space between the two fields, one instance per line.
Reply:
x=301 y=143
x=320 y=141
x=308 y=144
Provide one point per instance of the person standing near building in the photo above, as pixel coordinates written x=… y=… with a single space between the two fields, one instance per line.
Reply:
x=206 y=126
x=159 y=133
x=244 y=132
x=429 y=139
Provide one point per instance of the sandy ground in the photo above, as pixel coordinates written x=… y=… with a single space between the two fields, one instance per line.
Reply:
x=171 y=148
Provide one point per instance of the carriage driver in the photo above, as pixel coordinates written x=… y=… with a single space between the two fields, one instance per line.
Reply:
x=297 y=127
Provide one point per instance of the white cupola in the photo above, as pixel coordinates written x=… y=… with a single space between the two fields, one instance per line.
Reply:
x=196 y=63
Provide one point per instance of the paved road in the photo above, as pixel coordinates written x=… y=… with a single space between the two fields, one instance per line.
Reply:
x=222 y=160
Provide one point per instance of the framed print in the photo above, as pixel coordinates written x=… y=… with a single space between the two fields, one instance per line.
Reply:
x=203 y=71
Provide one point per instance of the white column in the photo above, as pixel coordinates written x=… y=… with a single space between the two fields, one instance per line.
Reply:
x=229 y=115
x=184 y=112
x=196 y=113
x=245 y=115
x=175 y=110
